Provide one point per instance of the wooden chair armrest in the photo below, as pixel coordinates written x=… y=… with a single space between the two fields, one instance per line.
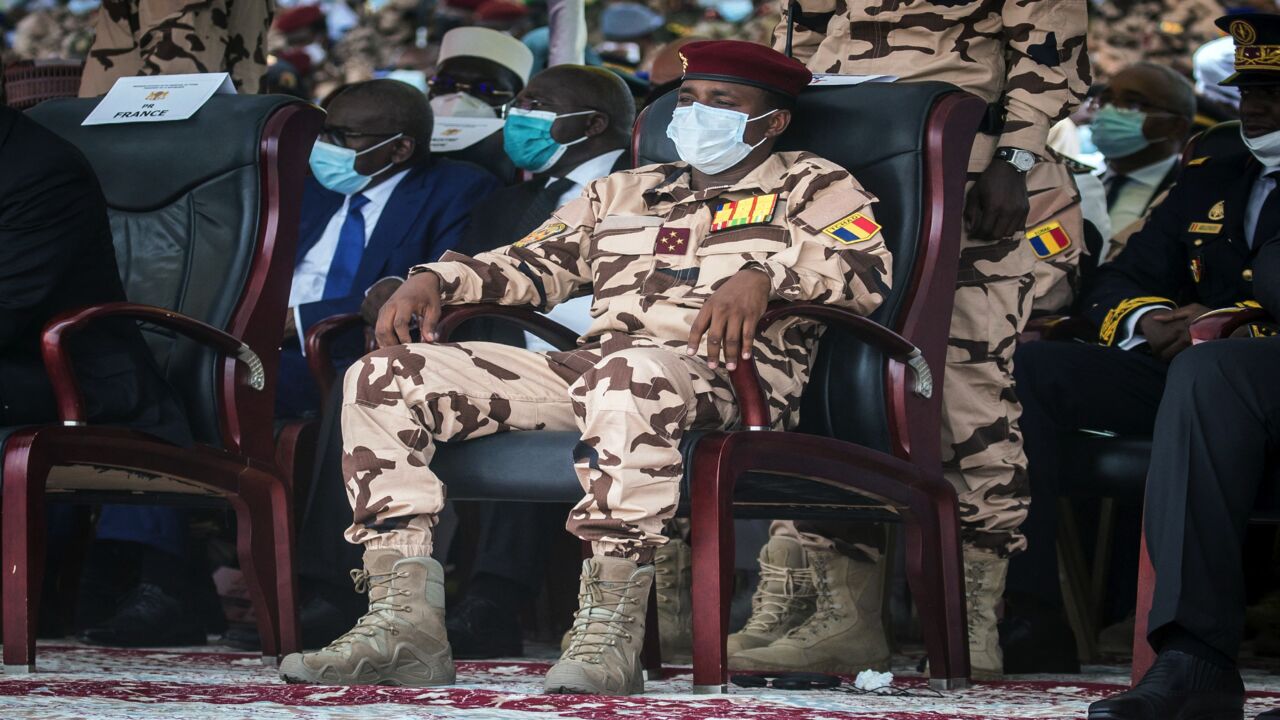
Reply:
x=1219 y=324
x=57 y=359
x=318 y=343
x=746 y=379
x=528 y=319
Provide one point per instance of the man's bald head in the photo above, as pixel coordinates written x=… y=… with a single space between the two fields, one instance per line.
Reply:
x=384 y=107
x=588 y=88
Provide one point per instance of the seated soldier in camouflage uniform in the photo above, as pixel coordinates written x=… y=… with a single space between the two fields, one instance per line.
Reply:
x=682 y=258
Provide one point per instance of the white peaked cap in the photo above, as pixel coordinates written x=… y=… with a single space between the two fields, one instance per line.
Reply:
x=490 y=45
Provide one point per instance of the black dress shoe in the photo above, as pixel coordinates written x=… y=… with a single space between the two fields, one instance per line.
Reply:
x=1178 y=687
x=1037 y=639
x=480 y=629
x=1269 y=715
x=147 y=617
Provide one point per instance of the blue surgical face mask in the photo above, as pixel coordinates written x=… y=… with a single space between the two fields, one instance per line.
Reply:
x=1118 y=133
x=526 y=137
x=82 y=7
x=335 y=167
x=735 y=11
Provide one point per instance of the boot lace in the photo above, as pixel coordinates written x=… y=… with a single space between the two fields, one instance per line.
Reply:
x=379 y=617
x=602 y=618
x=770 y=609
x=826 y=610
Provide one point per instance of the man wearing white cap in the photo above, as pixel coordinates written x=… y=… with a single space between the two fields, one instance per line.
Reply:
x=479 y=71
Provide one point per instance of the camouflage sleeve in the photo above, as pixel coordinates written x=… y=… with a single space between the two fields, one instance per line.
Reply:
x=804 y=39
x=543 y=269
x=837 y=253
x=1048 y=68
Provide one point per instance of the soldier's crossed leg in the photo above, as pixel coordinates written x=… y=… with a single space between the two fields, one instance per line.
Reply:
x=632 y=407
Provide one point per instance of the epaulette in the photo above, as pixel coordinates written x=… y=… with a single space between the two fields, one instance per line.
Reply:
x=1074 y=166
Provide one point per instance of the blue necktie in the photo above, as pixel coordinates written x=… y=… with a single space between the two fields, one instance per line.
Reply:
x=346 y=258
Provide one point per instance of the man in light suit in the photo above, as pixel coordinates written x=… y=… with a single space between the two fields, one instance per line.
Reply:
x=378 y=203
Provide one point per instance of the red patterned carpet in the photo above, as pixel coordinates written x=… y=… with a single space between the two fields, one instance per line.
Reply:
x=83 y=683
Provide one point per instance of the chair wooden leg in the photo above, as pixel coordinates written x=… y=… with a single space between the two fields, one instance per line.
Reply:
x=935 y=572
x=255 y=544
x=1073 y=573
x=712 y=533
x=1143 y=654
x=22 y=552
x=651 y=653
x=286 y=578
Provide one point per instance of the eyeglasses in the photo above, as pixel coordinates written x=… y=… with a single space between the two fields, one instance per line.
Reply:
x=342 y=137
x=445 y=85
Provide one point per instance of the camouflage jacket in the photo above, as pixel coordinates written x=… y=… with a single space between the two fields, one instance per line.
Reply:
x=652 y=250
x=1027 y=55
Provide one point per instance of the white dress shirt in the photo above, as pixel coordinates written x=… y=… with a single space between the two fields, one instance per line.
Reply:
x=575 y=314
x=1138 y=192
x=311 y=273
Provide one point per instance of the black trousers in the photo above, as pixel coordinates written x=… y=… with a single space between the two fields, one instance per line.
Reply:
x=1065 y=387
x=1216 y=437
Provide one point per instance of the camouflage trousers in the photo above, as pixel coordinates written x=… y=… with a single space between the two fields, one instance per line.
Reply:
x=171 y=37
x=631 y=402
x=982 y=453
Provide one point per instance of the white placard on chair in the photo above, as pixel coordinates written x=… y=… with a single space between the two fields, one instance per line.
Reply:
x=158 y=98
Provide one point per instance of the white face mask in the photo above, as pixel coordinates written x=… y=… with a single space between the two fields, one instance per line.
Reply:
x=710 y=139
x=461 y=105
x=1264 y=147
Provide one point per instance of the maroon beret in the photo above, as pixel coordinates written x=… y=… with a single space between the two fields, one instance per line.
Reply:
x=745 y=63
x=297 y=18
x=500 y=10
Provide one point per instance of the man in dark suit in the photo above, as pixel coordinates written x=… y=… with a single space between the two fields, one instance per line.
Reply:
x=1218 y=426
x=56 y=254
x=378 y=203
x=485 y=624
x=1196 y=253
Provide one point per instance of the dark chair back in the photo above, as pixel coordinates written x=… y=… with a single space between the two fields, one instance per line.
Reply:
x=204 y=213
x=1221 y=140
x=880 y=133
x=30 y=82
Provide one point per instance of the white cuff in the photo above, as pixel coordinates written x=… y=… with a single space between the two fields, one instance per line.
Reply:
x=1132 y=338
x=297 y=328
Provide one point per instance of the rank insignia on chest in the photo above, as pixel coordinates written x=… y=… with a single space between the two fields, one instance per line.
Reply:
x=1197 y=269
x=1205 y=228
x=671 y=241
x=748 y=211
x=853 y=228
x=1048 y=240
x=541 y=233
x=1218 y=211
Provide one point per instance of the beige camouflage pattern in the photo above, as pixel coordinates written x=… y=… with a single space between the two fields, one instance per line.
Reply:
x=170 y=37
x=1167 y=32
x=629 y=388
x=1054 y=198
x=1030 y=57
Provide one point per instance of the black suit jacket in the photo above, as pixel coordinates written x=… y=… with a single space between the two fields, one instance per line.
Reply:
x=1191 y=250
x=56 y=254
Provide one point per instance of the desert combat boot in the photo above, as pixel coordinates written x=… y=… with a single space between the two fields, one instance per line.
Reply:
x=603 y=657
x=400 y=641
x=783 y=599
x=673 y=574
x=844 y=635
x=984 y=575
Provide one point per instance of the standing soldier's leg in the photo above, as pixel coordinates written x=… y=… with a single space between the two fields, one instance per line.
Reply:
x=115 y=48
x=818 y=605
x=397 y=404
x=180 y=36
x=245 y=54
x=634 y=407
x=981 y=447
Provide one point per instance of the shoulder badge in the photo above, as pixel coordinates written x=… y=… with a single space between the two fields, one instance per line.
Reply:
x=541 y=233
x=1198 y=161
x=1049 y=239
x=748 y=211
x=854 y=228
x=1218 y=211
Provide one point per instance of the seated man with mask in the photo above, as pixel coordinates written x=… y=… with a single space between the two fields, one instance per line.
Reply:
x=377 y=202
x=679 y=288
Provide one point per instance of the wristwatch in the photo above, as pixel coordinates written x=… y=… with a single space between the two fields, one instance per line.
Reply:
x=1021 y=160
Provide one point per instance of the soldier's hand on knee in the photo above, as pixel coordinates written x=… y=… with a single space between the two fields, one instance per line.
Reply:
x=997 y=205
x=729 y=317
x=417 y=299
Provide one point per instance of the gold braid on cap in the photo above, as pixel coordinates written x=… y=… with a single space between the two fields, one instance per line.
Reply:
x=1258 y=57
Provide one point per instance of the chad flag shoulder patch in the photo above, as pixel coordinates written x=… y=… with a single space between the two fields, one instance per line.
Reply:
x=541 y=233
x=1048 y=240
x=854 y=228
